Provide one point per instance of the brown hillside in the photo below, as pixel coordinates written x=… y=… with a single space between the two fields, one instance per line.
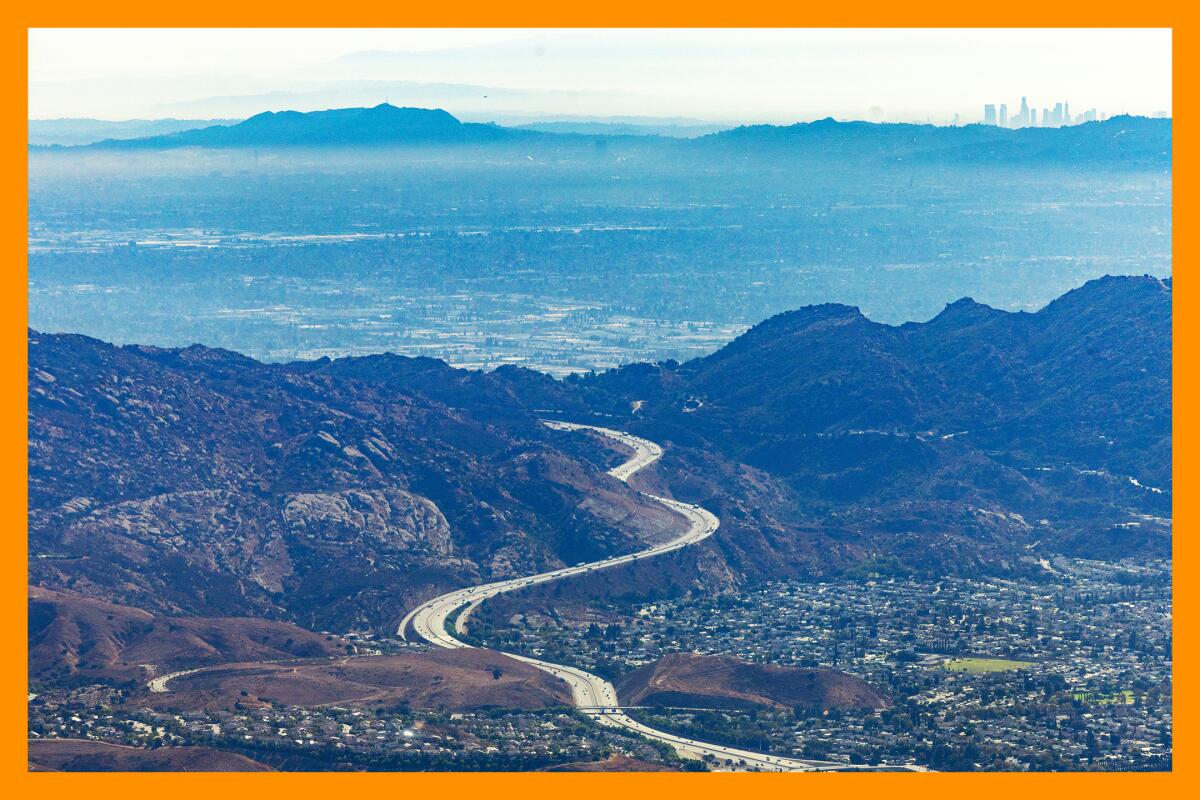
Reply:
x=75 y=755
x=689 y=680
x=71 y=636
x=617 y=763
x=440 y=679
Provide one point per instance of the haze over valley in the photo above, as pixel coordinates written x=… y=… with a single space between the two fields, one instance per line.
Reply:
x=620 y=429
x=483 y=246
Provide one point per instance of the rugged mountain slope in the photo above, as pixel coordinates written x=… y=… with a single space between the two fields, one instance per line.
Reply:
x=1054 y=424
x=197 y=481
x=696 y=681
x=336 y=494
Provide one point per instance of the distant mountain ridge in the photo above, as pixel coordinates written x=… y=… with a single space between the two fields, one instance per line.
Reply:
x=80 y=131
x=1129 y=139
x=1123 y=141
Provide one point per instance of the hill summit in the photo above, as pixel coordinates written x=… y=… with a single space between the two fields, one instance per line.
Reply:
x=697 y=681
x=383 y=124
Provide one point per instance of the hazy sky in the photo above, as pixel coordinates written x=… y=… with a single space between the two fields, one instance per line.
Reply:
x=721 y=75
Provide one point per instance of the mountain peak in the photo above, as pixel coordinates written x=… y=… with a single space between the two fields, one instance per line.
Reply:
x=804 y=318
x=800 y=322
x=965 y=310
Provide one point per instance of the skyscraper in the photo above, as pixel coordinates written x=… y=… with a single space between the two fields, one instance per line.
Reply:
x=989 y=114
x=1023 y=119
x=1003 y=115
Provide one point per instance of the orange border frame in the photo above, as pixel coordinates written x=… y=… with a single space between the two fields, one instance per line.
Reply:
x=543 y=13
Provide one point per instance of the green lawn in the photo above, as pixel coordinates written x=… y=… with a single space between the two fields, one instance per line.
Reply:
x=976 y=666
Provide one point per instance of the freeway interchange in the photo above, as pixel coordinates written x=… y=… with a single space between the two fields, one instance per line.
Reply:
x=594 y=696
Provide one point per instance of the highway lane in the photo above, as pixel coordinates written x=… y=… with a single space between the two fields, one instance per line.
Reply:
x=594 y=696
x=159 y=685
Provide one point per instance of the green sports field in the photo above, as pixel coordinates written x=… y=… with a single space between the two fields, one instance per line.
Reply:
x=977 y=666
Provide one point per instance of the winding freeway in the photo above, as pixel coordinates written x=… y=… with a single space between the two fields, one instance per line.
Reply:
x=594 y=696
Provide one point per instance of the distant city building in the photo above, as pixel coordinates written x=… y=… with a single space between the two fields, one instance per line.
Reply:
x=1027 y=117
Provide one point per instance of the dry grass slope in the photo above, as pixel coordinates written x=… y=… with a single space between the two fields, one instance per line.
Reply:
x=455 y=680
x=689 y=680
x=73 y=636
x=74 y=755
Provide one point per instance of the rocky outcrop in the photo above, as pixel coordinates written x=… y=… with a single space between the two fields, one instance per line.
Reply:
x=393 y=518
